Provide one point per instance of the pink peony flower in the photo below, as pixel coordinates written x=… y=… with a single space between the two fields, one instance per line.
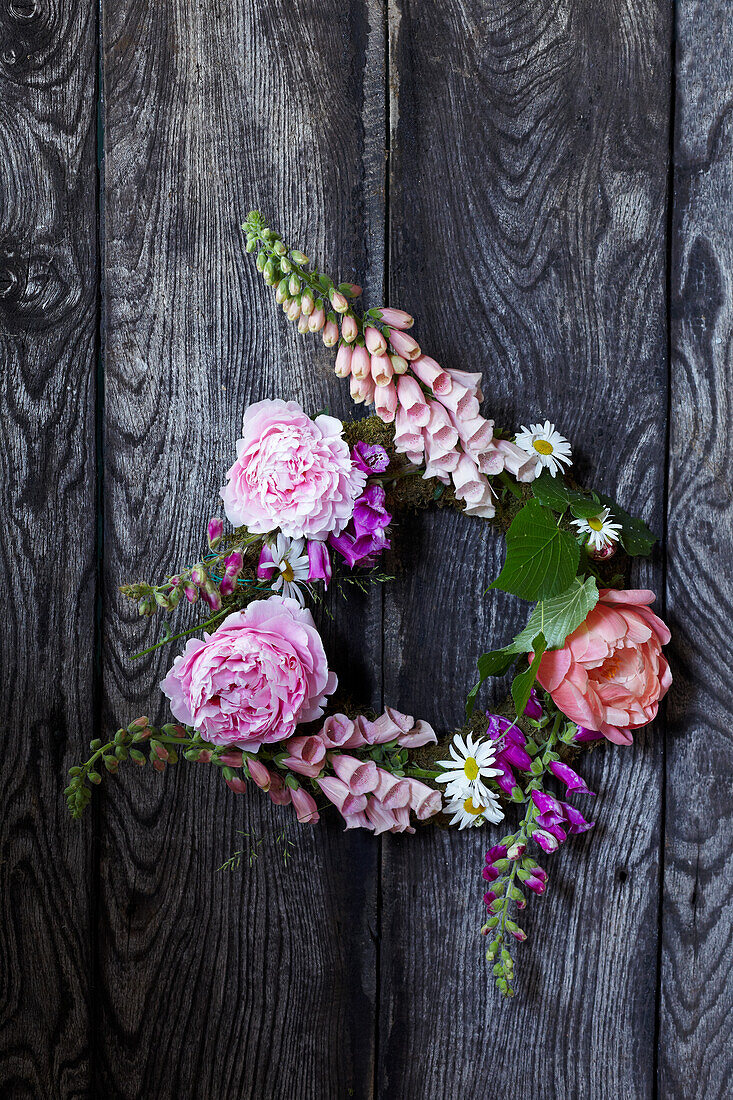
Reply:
x=263 y=671
x=291 y=473
x=610 y=674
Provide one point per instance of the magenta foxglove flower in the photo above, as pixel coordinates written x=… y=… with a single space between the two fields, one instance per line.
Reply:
x=534 y=707
x=370 y=457
x=319 y=563
x=574 y=782
x=214 y=531
x=365 y=538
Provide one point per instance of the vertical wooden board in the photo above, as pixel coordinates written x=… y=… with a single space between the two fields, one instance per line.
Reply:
x=259 y=983
x=527 y=205
x=696 y=1025
x=48 y=325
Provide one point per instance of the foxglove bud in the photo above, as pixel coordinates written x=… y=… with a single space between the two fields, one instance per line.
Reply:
x=343 y=361
x=360 y=363
x=330 y=331
x=349 y=328
x=259 y=773
x=232 y=568
x=317 y=319
x=381 y=370
x=270 y=273
x=190 y=591
x=214 y=531
x=361 y=389
x=307 y=303
x=239 y=786
x=294 y=309
x=397 y=318
x=199 y=574
x=351 y=290
x=210 y=594
x=338 y=301
x=404 y=345
x=299 y=257
x=302 y=324
x=294 y=285
x=399 y=365
x=374 y=340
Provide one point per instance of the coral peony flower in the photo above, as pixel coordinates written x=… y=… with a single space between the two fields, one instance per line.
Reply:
x=291 y=473
x=610 y=674
x=255 y=678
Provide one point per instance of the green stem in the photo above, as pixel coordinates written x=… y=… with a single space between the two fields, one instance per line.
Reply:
x=182 y=634
x=421 y=773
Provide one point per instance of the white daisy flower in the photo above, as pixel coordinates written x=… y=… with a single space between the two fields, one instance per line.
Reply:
x=600 y=530
x=290 y=560
x=469 y=813
x=547 y=446
x=471 y=762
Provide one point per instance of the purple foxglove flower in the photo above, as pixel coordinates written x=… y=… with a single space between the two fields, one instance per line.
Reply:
x=266 y=567
x=232 y=568
x=551 y=812
x=319 y=563
x=574 y=782
x=362 y=551
x=214 y=531
x=516 y=755
x=497 y=852
x=536 y=884
x=370 y=457
x=534 y=707
x=557 y=831
x=505 y=779
x=490 y=872
x=575 y=821
x=516 y=850
x=518 y=933
x=546 y=841
x=370 y=515
x=584 y=734
x=489 y=896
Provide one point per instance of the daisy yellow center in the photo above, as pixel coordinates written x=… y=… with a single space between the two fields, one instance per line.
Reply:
x=470 y=769
x=287 y=571
x=543 y=446
x=595 y=524
x=470 y=808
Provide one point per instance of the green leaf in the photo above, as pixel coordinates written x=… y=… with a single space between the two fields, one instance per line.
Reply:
x=636 y=537
x=558 y=616
x=490 y=664
x=551 y=491
x=524 y=682
x=585 y=508
x=541 y=560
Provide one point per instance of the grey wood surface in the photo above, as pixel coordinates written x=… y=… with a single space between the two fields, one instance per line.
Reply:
x=48 y=360
x=503 y=172
x=696 y=1020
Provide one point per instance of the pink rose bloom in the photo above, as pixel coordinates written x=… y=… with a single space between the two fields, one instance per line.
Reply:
x=252 y=681
x=291 y=473
x=610 y=674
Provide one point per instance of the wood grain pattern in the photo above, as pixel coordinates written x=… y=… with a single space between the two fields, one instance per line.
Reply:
x=696 y=1032
x=529 y=165
x=260 y=983
x=48 y=325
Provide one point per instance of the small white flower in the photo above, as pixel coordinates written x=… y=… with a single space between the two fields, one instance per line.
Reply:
x=291 y=562
x=547 y=446
x=471 y=762
x=469 y=813
x=600 y=530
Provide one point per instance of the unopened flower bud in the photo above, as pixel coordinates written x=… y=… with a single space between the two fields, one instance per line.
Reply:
x=361 y=363
x=349 y=328
x=397 y=318
x=343 y=361
x=303 y=324
x=404 y=345
x=146 y=606
x=330 y=332
x=286 y=304
x=299 y=257
x=232 y=568
x=199 y=574
x=214 y=531
x=140 y=723
x=211 y=595
x=294 y=309
x=374 y=340
x=285 y=265
x=307 y=303
x=294 y=286
x=279 y=248
x=282 y=292
x=338 y=301
x=190 y=591
x=399 y=365
x=270 y=273
x=351 y=290
x=261 y=261
x=239 y=786
x=317 y=319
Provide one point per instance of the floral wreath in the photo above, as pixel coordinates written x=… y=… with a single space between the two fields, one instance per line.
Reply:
x=311 y=501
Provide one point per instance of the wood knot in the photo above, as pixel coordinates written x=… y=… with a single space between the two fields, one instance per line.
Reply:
x=24 y=11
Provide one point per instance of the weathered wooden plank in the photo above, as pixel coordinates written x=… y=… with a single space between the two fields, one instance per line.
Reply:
x=527 y=202
x=48 y=325
x=260 y=983
x=696 y=1026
